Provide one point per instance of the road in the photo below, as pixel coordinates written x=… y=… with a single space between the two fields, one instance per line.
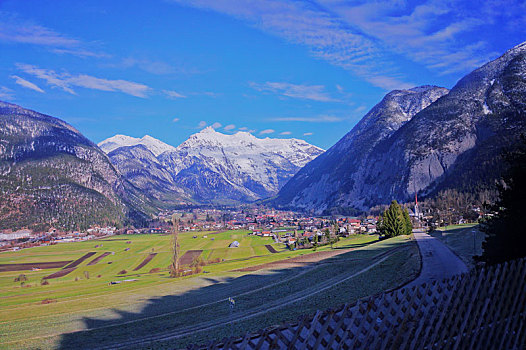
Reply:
x=438 y=261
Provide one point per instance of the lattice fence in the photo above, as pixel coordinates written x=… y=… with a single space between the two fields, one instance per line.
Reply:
x=485 y=309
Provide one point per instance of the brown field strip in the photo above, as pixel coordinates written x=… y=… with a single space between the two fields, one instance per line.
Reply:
x=29 y=266
x=80 y=260
x=99 y=258
x=270 y=248
x=60 y=273
x=189 y=256
x=216 y=232
x=311 y=258
x=112 y=239
x=145 y=261
x=298 y=261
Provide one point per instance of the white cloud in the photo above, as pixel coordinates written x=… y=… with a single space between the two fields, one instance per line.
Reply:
x=266 y=131
x=26 y=84
x=210 y=94
x=202 y=124
x=285 y=133
x=315 y=26
x=307 y=92
x=216 y=125
x=360 y=109
x=154 y=67
x=127 y=87
x=230 y=127
x=366 y=37
x=81 y=53
x=16 y=30
x=244 y=128
x=175 y=120
x=317 y=119
x=428 y=32
x=66 y=81
x=308 y=133
x=173 y=94
x=6 y=93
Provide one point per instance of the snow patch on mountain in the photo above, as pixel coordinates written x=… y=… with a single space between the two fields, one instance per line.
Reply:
x=214 y=166
x=155 y=146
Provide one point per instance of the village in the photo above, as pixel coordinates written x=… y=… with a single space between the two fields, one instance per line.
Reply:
x=284 y=226
x=287 y=227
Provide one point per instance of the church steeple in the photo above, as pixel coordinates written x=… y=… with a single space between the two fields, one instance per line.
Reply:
x=417 y=214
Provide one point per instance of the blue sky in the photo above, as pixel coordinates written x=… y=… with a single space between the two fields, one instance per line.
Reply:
x=304 y=69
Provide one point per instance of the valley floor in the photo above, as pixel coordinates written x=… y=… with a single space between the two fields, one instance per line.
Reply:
x=158 y=311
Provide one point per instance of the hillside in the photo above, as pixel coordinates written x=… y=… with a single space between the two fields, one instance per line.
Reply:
x=52 y=176
x=454 y=142
x=334 y=172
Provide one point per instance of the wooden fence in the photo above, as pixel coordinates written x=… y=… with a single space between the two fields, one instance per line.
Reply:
x=485 y=309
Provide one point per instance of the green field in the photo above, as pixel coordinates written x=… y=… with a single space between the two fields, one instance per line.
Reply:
x=99 y=312
x=461 y=240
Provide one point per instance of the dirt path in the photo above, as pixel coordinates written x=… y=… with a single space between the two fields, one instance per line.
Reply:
x=438 y=261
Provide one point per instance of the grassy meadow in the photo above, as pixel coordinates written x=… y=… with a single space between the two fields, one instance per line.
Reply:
x=45 y=316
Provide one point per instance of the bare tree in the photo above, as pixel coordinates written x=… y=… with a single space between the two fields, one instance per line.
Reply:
x=174 y=267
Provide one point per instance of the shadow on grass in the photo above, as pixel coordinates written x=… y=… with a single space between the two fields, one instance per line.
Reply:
x=193 y=311
x=356 y=245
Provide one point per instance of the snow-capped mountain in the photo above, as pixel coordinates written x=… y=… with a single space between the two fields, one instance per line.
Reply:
x=212 y=167
x=155 y=146
x=421 y=141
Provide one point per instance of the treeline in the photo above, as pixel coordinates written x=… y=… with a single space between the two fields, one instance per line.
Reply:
x=451 y=206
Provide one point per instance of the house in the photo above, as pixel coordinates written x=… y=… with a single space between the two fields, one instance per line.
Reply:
x=355 y=222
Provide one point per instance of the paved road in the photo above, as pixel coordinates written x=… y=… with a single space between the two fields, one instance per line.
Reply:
x=438 y=261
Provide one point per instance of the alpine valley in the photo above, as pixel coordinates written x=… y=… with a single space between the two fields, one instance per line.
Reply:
x=416 y=141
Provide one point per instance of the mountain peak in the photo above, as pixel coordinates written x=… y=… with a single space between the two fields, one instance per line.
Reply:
x=208 y=130
x=519 y=47
x=152 y=144
x=424 y=88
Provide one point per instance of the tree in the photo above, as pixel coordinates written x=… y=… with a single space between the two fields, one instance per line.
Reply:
x=393 y=223
x=174 y=266
x=327 y=234
x=505 y=236
x=407 y=222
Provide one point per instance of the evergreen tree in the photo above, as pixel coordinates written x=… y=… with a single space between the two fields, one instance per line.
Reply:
x=505 y=235
x=393 y=223
x=407 y=222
